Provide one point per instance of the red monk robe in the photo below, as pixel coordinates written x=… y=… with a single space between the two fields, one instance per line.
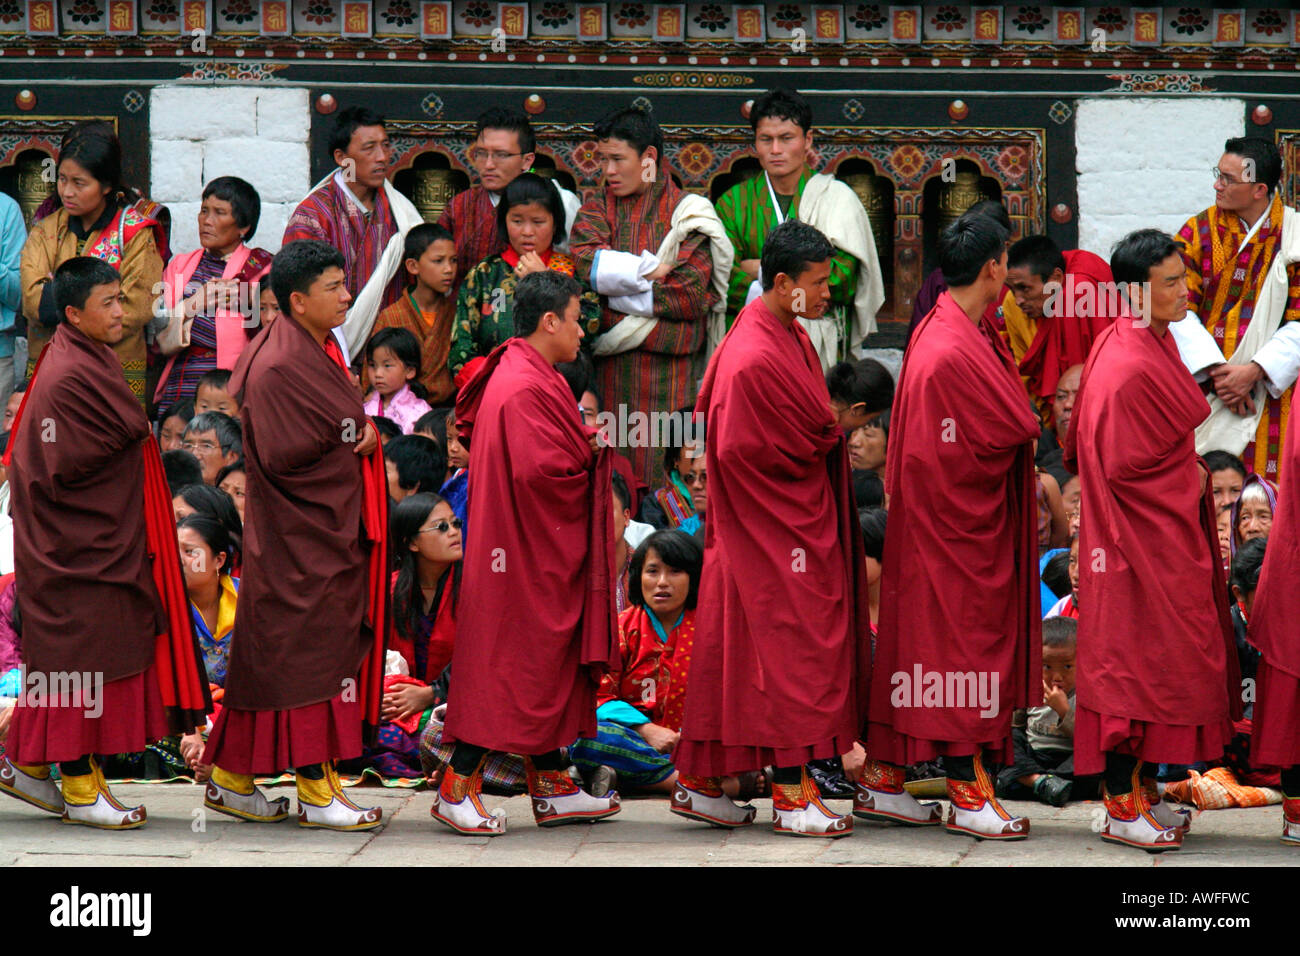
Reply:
x=1155 y=639
x=959 y=590
x=314 y=580
x=1079 y=313
x=536 y=629
x=1275 y=740
x=781 y=658
x=90 y=509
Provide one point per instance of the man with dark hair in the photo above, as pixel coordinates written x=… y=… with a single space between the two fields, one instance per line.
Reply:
x=536 y=628
x=657 y=308
x=859 y=392
x=959 y=586
x=1243 y=284
x=181 y=468
x=788 y=188
x=503 y=150
x=110 y=658
x=781 y=652
x=358 y=211
x=313 y=600
x=1157 y=665
x=934 y=284
x=215 y=440
x=1062 y=301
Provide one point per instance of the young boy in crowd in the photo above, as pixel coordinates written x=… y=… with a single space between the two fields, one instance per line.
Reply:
x=215 y=440
x=1043 y=736
x=212 y=395
x=414 y=464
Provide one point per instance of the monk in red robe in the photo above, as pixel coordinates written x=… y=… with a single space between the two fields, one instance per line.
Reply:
x=537 y=629
x=781 y=651
x=314 y=571
x=958 y=646
x=111 y=663
x=1157 y=675
x=1275 y=738
x=1062 y=302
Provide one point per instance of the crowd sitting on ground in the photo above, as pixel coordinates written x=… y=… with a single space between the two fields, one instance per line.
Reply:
x=433 y=303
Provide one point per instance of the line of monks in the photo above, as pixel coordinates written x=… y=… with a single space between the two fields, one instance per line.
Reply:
x=785 y=667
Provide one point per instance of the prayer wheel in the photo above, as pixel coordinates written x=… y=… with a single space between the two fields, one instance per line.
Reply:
x=874 y=200
x=33 y=189
x=958 y=196
x=433 y=190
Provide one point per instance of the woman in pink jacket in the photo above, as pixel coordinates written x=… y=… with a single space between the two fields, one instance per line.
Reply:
x=211 y=292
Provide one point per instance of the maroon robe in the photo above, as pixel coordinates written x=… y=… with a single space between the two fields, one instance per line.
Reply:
x=959 y=587
x=301 y=629
x=1157 y=674
x=87 y=596
x=778 y=670
x=1275 y=740
x=1064 y=340
x=536 y=628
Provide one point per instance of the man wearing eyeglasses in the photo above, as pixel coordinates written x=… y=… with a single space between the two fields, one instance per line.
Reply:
x=1245 y=350
x=215 y=440
x=502 y=151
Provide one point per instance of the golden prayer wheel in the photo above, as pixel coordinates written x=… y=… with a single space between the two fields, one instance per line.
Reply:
x=433 y=190
x=958 y=196
x=33 y=189
x=873 y=199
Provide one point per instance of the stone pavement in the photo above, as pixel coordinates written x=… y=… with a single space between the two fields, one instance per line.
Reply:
x=179 y=833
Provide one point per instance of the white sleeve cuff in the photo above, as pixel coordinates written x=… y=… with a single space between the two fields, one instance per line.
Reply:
x=1196 y=346
x=755 y=290
x=1279 y=357
x=638 y=303
x=622 y=273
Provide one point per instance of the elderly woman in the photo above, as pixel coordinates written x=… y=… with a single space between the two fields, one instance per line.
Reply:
x=531 y=216
x=1252 y=513
x=97 y=217
x=211 y=293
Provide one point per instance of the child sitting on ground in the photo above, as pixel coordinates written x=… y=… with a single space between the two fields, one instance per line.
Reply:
x=1068 y=606
x=393 y=362
x=1043 y=737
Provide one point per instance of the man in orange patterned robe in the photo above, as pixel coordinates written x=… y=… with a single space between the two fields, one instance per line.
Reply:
x=1232 y=253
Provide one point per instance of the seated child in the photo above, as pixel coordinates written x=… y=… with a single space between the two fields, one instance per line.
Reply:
x=388 y=429
x=393 y=361
x=268 y=309
x=1044 y=741
x=639 y=703
x=212 y=395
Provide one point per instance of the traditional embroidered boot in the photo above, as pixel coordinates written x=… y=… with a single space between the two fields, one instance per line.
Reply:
x=234 y=795
x=88 y=802
x=458 y=804
x=1129 y=822
x=797 y=810
x=323 y=805
x=974 y=809
x=31 y=783
x=701 y=798
x=557 y=800
x=1165 y=813
x=880 y=796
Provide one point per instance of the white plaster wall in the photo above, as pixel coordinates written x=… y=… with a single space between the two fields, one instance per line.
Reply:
x=198 y=133
x=1145 y=162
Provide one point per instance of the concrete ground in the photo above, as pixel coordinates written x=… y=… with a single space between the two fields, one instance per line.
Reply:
x=180 y=833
